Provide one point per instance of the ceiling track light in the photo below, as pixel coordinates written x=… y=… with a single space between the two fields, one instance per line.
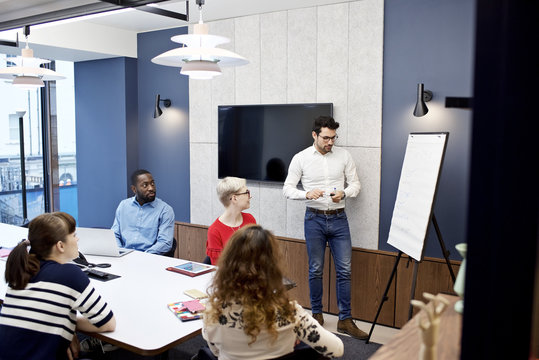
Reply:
x=199 y=57
x=423 y=96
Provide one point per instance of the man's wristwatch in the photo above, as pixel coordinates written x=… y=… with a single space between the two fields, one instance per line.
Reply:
x=343 y=195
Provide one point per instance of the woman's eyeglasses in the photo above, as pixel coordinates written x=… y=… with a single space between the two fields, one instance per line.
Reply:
x=246 y=192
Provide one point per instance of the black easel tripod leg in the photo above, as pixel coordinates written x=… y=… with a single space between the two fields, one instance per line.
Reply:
x=442 y=245
x=412 y=291
x=384 y=297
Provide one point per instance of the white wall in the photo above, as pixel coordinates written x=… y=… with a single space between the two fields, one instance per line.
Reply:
x=330 y=53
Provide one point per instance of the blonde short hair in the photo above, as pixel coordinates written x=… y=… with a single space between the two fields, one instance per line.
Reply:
x=229 y=186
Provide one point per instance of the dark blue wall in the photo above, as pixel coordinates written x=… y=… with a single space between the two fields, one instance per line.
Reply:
x=164 y=142
x=116 y=131
x=104 y=103
x=430 y=42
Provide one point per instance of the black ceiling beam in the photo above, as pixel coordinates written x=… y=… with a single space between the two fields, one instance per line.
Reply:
x=89 y=9
x=11 y=43
x=142 y=6
x=167 y=13
x=57 y=15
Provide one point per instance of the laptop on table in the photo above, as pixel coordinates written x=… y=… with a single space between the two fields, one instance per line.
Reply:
x=101 y=242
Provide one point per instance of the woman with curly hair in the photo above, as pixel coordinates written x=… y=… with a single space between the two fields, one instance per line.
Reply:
x=39 y=318
x=249 y=314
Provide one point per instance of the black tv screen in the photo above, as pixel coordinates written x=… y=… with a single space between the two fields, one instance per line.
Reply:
x=257 y=142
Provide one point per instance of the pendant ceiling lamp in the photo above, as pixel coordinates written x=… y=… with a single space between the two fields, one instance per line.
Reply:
x=199 y=58
x=26 y=71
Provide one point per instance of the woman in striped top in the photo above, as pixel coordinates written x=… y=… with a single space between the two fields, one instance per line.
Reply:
x=39 y=317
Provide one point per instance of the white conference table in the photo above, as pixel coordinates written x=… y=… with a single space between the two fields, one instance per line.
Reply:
x=139 y=299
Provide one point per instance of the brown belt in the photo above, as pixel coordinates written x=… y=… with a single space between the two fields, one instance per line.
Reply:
x=325 y=212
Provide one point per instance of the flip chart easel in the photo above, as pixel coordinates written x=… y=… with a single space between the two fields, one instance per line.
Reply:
x=413 y=209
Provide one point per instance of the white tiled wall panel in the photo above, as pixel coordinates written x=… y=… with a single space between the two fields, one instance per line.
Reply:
x=329 y=53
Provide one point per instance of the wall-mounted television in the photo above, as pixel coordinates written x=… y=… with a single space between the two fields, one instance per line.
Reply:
x=257 y=142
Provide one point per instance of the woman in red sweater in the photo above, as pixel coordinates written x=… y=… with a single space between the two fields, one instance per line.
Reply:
x=235 y=197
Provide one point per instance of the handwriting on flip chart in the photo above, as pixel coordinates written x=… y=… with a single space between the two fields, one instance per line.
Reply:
x=417 y=189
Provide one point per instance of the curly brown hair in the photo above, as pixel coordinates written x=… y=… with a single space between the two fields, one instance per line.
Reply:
x=249 y=273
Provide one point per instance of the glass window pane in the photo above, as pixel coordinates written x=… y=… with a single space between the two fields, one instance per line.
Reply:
x=12 y=101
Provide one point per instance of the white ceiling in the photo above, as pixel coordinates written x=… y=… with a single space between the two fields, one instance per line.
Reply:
x=139 y=21
x=114 y=33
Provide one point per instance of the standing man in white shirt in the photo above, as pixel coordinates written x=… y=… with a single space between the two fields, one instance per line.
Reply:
x=324 y=169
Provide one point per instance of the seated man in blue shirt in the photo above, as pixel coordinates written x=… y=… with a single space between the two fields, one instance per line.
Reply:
x=144 y=222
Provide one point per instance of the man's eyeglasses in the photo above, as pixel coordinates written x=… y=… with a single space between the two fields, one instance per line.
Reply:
x=327 y=138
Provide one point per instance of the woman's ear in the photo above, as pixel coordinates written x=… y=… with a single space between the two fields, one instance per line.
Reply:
x=60 y=246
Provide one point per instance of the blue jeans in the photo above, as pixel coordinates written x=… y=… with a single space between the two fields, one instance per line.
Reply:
x=334 y=230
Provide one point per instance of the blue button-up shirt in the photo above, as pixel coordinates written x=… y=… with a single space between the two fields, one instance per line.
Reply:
x=148 y=228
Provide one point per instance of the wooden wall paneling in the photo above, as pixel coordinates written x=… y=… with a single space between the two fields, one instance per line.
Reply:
x=370 y=274
x=191 y=241
x=432 y=276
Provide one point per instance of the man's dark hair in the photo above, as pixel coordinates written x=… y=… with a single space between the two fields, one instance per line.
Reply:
x=324 y=122
x=136 y=174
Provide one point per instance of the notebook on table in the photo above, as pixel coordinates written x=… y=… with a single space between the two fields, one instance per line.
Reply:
x=187 y=310
x=101 y=242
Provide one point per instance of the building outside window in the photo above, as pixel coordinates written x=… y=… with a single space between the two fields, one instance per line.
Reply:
x=62 y=148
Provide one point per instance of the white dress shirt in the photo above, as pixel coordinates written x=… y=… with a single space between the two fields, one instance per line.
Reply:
x=325 y=172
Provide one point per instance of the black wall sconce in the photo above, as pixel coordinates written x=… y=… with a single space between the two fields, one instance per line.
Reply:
x=423 y=96
x=157 y=112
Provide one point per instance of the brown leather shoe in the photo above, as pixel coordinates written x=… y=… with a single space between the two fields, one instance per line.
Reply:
x=319 y=317
x=347 y=326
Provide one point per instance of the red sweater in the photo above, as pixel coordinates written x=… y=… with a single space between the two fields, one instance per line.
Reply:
x=219 y=233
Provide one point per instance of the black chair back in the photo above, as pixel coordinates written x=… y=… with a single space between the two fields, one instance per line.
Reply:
x=171 y=252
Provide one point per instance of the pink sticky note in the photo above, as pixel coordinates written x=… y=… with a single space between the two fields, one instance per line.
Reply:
x=193 y=305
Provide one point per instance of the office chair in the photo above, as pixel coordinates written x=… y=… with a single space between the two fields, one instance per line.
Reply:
x=301 y=351
x=171 y=252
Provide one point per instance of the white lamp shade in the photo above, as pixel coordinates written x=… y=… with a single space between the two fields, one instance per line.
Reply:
x=201 y=70
x=200 y=40
x=28 y=82
x=199 y=58
x=27 y=66
x=14 y=71
x=179 y=56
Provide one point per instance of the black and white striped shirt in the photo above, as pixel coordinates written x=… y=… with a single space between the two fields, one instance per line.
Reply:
x=39 y=321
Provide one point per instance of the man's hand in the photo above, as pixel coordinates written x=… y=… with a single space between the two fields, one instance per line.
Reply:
x=314 y=194
x=337 y=197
